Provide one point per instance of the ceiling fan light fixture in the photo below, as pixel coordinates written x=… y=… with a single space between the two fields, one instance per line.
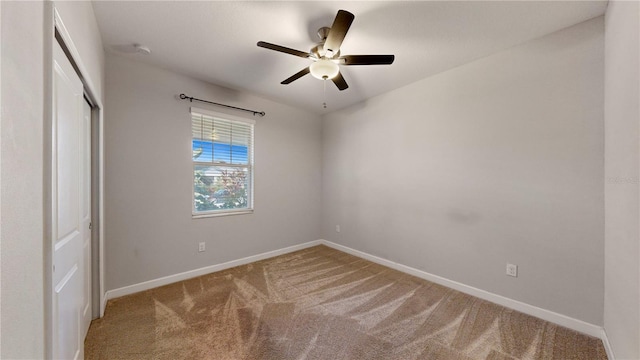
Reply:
x=324 y=69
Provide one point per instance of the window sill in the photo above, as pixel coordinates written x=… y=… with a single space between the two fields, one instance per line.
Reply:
x=226 y=213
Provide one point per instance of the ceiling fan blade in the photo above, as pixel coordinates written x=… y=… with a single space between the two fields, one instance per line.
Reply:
x=283 y=49
x=367 y=59
x=340 y=82
x=338 y=31
x=296 y=76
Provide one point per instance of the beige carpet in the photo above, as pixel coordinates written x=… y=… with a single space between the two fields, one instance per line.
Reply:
x=320 y=303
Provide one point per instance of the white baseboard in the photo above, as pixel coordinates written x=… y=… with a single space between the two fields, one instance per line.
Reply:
x=547 y=315
x=607 y=345
x=556 y=318
x=103 y=303
x=131 y=289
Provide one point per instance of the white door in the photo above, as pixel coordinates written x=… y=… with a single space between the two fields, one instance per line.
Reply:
x=86 y=218
x=67 y=209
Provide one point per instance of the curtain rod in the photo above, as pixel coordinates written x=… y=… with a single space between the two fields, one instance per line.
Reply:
x=191 y=99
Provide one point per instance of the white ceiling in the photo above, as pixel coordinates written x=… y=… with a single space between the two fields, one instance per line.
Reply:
x=216 y=41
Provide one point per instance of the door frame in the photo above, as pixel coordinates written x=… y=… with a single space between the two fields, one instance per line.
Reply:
x=54 y=28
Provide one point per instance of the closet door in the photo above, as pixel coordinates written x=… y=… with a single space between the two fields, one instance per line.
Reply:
x=86 y=217
x=68 y=228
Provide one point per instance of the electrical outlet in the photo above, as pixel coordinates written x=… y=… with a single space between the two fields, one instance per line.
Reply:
x=337 y=228
x=201 y=247
x=512 y=270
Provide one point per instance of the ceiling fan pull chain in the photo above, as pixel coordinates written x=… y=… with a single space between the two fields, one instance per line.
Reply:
x=324 y=85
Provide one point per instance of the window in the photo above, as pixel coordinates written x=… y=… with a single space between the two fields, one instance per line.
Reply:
x=222 y=153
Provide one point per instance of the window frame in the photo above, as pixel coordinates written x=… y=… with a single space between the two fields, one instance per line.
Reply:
x=250 y=164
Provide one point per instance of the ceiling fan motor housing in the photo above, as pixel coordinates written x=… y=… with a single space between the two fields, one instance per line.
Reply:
x=319 y=53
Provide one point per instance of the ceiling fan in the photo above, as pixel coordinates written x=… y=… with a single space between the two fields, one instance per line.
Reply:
x=326 y=55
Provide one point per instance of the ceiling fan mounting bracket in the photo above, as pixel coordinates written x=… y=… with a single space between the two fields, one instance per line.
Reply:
x=323 y=32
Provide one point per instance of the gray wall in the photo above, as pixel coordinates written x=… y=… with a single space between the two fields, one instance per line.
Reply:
x=622 y=173
x=22 y=159
x=148 y=183
x=496 y=161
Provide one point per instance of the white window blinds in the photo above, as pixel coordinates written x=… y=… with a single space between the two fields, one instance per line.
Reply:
x=222 y=154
